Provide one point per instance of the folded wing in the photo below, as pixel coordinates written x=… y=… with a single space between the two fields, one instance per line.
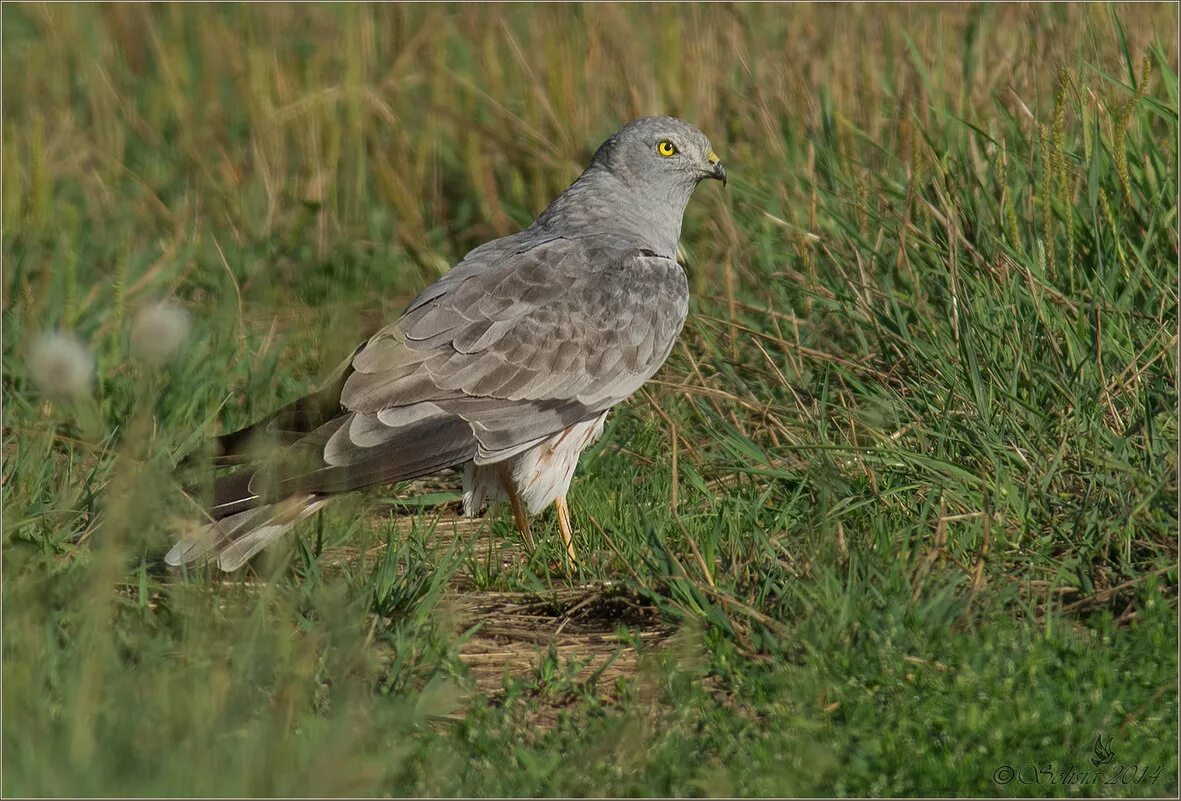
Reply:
x=485 y=364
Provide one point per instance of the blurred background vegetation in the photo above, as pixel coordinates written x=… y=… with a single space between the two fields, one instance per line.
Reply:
x=900 y=510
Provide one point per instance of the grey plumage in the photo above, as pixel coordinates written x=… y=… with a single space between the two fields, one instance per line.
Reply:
x=529 y=337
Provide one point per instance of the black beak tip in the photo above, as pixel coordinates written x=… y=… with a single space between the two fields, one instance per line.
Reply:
x=720 y=173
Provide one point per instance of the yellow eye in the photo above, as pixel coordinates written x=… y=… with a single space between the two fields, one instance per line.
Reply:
x=666 y=148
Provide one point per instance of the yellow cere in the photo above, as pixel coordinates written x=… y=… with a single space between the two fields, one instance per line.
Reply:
x=713 y=157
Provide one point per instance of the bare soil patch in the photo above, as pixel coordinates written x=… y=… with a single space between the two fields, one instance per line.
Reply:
x=596 y=630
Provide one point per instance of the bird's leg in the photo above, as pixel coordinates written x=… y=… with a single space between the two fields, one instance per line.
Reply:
x=522 y=519
x=566 y=529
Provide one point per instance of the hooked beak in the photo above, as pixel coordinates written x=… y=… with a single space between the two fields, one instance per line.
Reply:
x=716 y=169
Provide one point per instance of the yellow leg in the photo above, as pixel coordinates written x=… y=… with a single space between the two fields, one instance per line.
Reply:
x=522 y=519
x=566 y=529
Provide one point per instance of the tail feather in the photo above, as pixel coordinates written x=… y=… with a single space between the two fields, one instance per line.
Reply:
x=293 y=460
x=235 y=539
x=243 y=549
x=196 y=545
x=288 y=424
x=232 y=494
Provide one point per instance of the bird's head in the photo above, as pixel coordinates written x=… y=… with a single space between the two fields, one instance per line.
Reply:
x=660 y=153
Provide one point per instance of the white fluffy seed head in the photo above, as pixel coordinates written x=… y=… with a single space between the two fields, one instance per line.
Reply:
x=61 y=365
x=158 y=332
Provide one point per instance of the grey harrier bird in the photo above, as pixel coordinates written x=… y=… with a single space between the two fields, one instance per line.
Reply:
x=506 y=366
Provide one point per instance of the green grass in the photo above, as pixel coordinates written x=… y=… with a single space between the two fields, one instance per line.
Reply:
x=905 y=493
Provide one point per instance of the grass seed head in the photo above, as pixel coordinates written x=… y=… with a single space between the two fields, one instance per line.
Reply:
x=61 y=365
x=159 y=331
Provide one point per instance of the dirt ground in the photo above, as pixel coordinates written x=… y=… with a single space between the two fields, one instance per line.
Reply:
x=599 y=632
